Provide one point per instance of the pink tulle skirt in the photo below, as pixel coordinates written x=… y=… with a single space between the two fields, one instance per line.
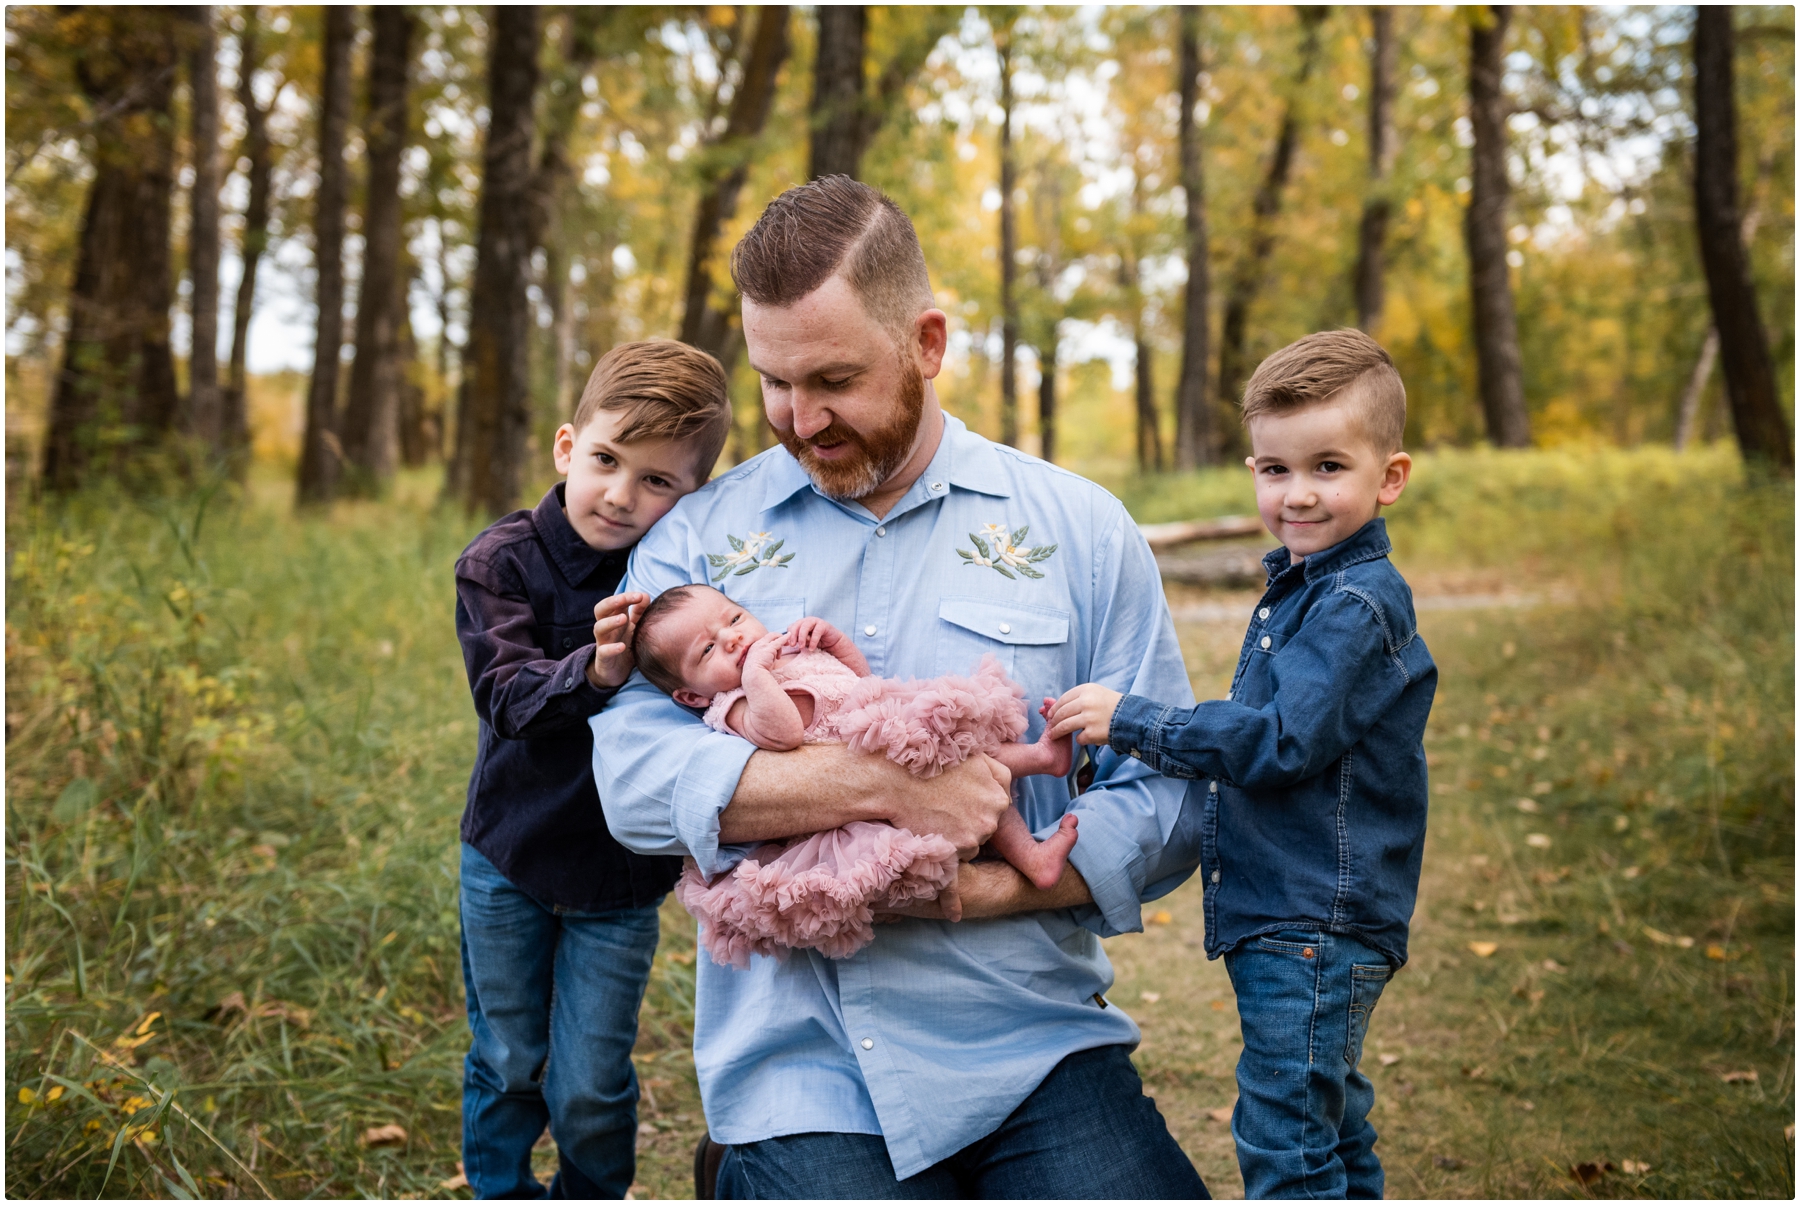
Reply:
x=927 y=725
x=816 y=893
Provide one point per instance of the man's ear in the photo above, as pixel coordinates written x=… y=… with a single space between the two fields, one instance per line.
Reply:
x=689 y=698
x=1394 y=478
x=931 y=336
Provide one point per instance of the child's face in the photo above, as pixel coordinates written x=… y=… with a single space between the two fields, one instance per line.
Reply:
x=708 y=639
x=617 y=491
x=1318 y=479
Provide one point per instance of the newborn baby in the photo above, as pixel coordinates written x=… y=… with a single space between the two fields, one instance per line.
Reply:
x=810 y=684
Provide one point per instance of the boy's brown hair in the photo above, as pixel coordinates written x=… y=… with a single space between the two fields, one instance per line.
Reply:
x=1343 y=364
x=836 y=225
x=663 y=390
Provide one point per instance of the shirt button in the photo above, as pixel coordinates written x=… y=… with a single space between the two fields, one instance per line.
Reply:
x=1265 y=642
x=1215 y=876
x=1263 y=614
x=869 y=631
x=868 y=1043
x=937 y=485
x=881 y=531
x=1006 y=629
x=1212 y=788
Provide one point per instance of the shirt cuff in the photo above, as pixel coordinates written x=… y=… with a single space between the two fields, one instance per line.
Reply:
x=1107 y=857
x=572 y=681
x=1136 y=729
x=703 y=788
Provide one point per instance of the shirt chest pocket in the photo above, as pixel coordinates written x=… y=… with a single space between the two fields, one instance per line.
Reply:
x=775 y=614
x=1256 y=681
x=561 y=639
x=1031 y=643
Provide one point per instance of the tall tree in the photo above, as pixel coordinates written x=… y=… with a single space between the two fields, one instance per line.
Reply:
x=1009 y=246
x=234 y=426
x=369 y=429
x=1247 y=277
x=204 y=416
x=837 y=101
x=1193 y=415
x=704 y=325
x=1756 y=416
x=1049 y=204
x=320 y=452
x=1484 y=227
x=496 y=412
x=1371 y=241
x=1149 y=428
x=117 y=380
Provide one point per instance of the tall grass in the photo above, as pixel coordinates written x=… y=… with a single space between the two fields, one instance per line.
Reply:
x=238 y=742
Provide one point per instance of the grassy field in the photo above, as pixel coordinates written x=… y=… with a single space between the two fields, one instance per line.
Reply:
x=237 y=746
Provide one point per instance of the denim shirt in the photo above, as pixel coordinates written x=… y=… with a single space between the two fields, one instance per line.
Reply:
x=1311 y=786
x=525 y=594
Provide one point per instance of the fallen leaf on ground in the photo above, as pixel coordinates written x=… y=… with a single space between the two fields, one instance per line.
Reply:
x=1161 y=917
x=1632 y=1167
x=1528 y=806
x=387 y=1135
x=647 y=1130
x=1149 y=997
x=1668 y=939
x=457 y=1181
x=1716 y=953
x=1388 y=1060
x=1631 y=872
x=1222 y=1116
x=1553 y=966
x=1527 y=1105
x=1474 y=1072
x=1587 y=1173
x=1447 y=1163
x=1218 y=1006
x=1483 y=949
x=1538 y=840
x=1739 y=1077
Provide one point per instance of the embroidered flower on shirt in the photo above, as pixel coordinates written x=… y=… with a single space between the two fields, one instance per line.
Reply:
x=748 y=555
x=1004 y=551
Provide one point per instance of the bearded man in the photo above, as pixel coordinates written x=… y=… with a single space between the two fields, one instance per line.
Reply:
x=964 y=1055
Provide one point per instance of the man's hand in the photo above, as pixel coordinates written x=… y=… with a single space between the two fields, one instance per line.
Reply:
x=964 y=803
x=615 y=623
x=1086 y=711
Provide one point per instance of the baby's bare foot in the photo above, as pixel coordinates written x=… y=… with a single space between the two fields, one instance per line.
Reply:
x=1052 y=855
x=1060 y=754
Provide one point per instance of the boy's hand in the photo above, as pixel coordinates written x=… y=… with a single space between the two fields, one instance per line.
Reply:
x=1086 y=710
x=615 y=623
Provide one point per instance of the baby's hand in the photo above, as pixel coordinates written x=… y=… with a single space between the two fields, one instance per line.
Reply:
x=1086 y=710
x=615 y=623
x=812 y=633
x=763 y=653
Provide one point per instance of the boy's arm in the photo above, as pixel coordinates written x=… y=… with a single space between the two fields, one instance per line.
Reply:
x=1335 y=678
x=518 y=689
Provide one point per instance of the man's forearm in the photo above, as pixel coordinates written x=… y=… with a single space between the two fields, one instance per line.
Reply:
x=806 y=790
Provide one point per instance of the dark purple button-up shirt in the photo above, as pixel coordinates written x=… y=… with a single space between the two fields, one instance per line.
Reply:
x=525 y=594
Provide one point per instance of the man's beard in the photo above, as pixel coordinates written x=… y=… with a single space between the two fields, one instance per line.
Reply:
x=874 y=457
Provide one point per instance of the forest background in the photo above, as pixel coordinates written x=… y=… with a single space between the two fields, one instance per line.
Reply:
x=231 y=930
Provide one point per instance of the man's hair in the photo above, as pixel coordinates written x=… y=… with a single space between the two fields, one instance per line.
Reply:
x=653 y=661
x=663 y=390
x=1345 y=365
x=836 y=225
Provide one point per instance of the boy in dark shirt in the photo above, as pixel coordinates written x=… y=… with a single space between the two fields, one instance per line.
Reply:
x=1312 y=816
x=559 y=921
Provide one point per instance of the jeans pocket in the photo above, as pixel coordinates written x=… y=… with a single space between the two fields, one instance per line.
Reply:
x=1307 y=948
x=1366 y=983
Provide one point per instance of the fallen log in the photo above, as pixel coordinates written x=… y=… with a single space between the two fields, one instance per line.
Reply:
x=1189 y=531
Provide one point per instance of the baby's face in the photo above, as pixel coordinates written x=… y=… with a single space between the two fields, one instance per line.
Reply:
x=708 y=640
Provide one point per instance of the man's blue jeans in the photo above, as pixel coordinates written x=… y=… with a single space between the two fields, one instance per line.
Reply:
x=1302 y=1118
x=553 y=1004
x=1088 y=1131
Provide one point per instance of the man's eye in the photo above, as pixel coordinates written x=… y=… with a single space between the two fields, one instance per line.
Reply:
x=772 y=383
x=839 y=384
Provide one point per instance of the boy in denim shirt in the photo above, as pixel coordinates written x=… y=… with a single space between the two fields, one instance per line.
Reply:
x=1313 y=809
x=559 y=921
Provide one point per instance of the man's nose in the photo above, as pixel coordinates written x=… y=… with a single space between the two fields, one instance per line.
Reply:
x=811 y=416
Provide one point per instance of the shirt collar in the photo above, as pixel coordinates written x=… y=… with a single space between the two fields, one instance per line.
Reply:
x=572 y=554
x=963 y=459
x=1369 y=543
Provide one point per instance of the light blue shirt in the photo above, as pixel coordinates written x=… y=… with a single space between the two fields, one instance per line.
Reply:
x=936 y=1032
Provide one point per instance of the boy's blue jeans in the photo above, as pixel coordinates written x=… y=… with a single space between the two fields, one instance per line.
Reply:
x=1301 y=1122
x=553 y=1002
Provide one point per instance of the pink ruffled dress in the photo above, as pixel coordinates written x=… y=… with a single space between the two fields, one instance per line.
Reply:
x=821 y=892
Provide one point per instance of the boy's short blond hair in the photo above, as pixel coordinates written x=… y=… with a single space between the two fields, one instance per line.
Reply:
x=1346 y=365
x=663 y=390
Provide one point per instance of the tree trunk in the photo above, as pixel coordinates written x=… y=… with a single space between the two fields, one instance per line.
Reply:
x=553 y=184
x=418 y=436
x=898 y=71
x=204 y=417
x=116 y=386
x=369 y=429
x=1047 y=397
x=837 y=102
x=1371 y=243
x=1756 y=416
x=1193 y=412
x=234 y=425
x=1687 y=415
x=1490 y=286
x=703 y=325
x=1247 y=278
x=1009 y=247
x=1048 y=201
x=320 y=452
x=1149 y=436
x=496 y=415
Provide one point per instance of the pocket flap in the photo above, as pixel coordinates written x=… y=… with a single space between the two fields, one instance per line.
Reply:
x=1008 y=623
x=775 y=614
